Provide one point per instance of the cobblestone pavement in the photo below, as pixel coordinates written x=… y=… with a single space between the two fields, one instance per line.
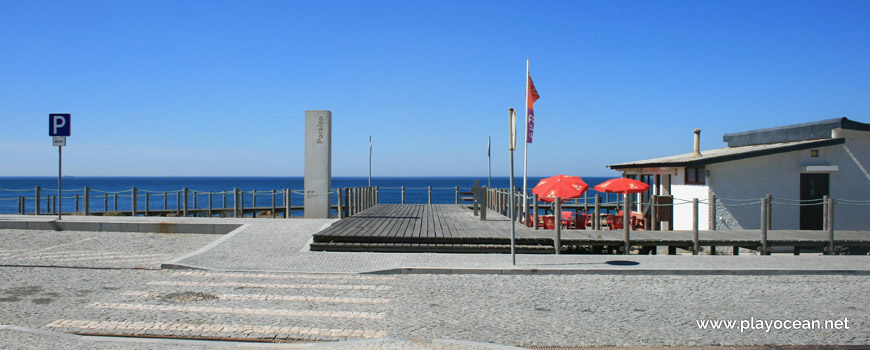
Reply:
x=97 y=288
x=510 y=310
x=96 y=249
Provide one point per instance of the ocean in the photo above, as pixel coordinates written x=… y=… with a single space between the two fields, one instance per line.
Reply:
x=443 y=189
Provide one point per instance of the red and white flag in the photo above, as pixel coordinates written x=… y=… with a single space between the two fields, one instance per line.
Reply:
x=531 y=97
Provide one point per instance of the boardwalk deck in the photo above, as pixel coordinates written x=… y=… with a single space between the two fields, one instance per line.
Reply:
x=453 y=228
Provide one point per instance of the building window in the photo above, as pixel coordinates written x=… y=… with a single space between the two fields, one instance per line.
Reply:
x=695 y=175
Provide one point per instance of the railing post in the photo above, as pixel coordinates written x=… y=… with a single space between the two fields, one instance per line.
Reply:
x=596 y=219
x=147 y=203
x=235 y=202
x=105 y=203
x=116 y=202
x=224 y=198
x=77 y=202
x=430 y=194
x=38 y=194
x=184 y=212
x=712 y=219
x=195 y=201
x=242 y=203
x=825 y=212
x=377 y=195
x=535 y=208
x=696 y=244
x=456 y=195
x=769 y=212
x=135 y=195
x=483 y=199
x=20 y=211
x=557 y=244
x=626 y=222
x=165 y=201
x=177 y=203
x=210 y=204
x=87 y=208
x=830 y=226
x=764 y=221
x=273 y=203
x=288 y=202
x=403 y=194
x=338 y=203
x=254 y=203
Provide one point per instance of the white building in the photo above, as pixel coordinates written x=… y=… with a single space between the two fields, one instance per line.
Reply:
x=790 y=163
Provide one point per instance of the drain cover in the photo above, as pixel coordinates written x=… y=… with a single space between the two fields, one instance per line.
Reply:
x=185 y=297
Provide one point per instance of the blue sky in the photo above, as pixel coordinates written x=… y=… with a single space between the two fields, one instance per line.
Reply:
x=219 y=88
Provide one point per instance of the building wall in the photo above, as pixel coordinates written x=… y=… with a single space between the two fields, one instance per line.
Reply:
x=779 y=176
x=851 y=182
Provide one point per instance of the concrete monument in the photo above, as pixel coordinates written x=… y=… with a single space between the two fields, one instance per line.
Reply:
x=318 y=163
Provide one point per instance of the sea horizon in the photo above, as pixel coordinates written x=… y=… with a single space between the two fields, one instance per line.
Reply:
x=103 y=189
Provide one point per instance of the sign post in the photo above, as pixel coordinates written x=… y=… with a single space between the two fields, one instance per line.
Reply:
x=513 y=145
x=59 y=129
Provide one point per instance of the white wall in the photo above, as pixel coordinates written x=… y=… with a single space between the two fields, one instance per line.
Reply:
x=683 y=211
x=779 y=176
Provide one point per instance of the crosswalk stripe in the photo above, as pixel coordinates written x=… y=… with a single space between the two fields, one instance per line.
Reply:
x=244 y=311
x=121 y=256
x=70 y=254
x=281 y=276
x=268 y=297
x=30 y=252
x=161 y=327
x=270 y=285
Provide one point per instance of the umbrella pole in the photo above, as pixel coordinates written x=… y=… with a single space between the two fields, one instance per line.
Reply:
x=626 y=222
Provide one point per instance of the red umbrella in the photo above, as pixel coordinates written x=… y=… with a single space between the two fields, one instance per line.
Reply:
x=561 y=186
x=622 y=185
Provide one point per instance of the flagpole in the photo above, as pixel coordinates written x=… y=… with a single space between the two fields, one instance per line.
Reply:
x=370 y=161
x=526 y=148
x=489 y=157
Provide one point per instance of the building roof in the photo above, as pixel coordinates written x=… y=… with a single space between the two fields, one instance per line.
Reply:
x=796 y=132
x=759 y=142
x=728 y=154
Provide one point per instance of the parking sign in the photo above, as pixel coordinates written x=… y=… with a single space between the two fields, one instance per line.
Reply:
x=59 y=124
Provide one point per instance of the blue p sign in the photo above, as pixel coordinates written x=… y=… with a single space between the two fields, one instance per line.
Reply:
x=58 y=124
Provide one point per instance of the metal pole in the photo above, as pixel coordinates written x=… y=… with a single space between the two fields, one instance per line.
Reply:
x=403 y=194
x=147 y=203
x=273 y=203
x=489 y=158
x=557 y=216
x=59 y=176
x=430 y=194
x=830 y=226
x=512 y=144
x=696 y=244
x=764 y=218
x=626 y=222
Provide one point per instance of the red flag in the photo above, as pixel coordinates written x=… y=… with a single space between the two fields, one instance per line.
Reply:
x=531 y=97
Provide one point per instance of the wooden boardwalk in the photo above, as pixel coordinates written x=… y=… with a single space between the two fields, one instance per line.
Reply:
x=453 y=228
